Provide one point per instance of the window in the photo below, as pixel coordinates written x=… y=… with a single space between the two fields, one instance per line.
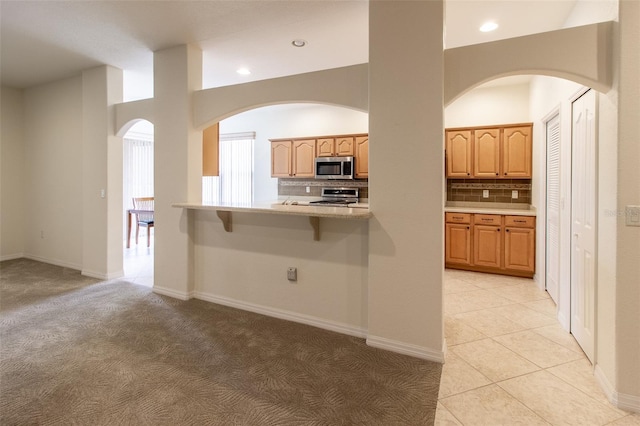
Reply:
x=235 y=183
x=138 y=168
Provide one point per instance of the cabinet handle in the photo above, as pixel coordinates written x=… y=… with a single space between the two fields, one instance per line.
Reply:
x=497 y=174
x=506 y=230
x=468 y=174
x=505 y=173
x=520 y=221
x=467 y=227
x=498 y=229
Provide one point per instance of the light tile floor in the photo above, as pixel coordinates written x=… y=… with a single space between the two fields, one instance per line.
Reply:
x=138 y=261
x=509 y=362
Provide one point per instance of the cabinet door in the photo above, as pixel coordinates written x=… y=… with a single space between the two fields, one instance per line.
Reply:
x=362 y=156
x=325 y=148
x=281 y=159
x=303 y=158
x=516 y=152
x=458 y=145
x=458 y=243
x=344 y=147
x=519 y=249
x=486 y=153
x=487 y=247
x=211 y=151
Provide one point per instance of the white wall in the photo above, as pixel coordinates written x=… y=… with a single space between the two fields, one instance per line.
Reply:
x=290 y=120
x=496 y=104
x=12 y=178
x=53 y=172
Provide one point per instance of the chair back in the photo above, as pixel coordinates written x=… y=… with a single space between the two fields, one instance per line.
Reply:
x=144 y=203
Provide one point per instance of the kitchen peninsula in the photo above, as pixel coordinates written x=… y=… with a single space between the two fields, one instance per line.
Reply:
x=224 y=212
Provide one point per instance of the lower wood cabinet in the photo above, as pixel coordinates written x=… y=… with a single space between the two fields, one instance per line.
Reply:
x=490 y=243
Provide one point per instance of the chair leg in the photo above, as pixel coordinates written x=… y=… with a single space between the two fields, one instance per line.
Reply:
x=137 y=231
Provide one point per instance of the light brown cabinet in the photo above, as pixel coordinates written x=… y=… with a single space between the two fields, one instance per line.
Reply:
x=211 y=151
x=362 y=156
x=490 y=243
x=458 y=239
x=489 y=152
x=342 y=146
x=293 y=158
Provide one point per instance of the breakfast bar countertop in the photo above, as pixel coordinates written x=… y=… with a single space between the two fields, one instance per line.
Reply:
x=283 y=209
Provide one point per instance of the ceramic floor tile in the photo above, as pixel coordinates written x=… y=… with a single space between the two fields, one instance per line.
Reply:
x=579 y=374
x=537 y=349
x=444 y=417
x=490 y=405
x=489 y=323
x=493 y=360
x=521 y=293
x=628 y=420
x=520 y=314
x=458 y=376
x=544 y=306
x=456 y=303
x=556 y=401
x=556 y=334
x=455 y=285
x=456 y=332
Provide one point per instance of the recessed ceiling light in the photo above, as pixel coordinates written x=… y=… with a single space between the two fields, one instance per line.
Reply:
x=299 y=43
x=243 y=71
x=488 y=26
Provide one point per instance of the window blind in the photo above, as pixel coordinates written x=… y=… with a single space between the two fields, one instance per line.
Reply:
x=235 y=183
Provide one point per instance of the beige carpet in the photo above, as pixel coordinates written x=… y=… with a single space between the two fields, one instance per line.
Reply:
x=78 y=351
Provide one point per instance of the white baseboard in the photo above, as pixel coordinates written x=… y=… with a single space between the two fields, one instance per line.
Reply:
x=406 y=348
x=11 y=256
x=101 y=276
x=285 y=315
x=620 y=400
x=54 y=262
x=173 y=293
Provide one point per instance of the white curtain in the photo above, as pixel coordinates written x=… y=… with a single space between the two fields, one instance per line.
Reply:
x=137 y=172
x=235 y=183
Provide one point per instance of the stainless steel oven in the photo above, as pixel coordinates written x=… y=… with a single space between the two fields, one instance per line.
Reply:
x=335 y=167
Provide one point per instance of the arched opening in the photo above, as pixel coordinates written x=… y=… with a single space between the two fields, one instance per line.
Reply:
x=137 y=201
x=291 y=120
x=547 y=102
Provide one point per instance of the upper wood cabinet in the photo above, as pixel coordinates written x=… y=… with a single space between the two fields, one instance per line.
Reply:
x=210 y=150
x=281 y=164
x=516 y=152
x=459 y=151
x=486 y=153
x=489 y=152
x=303 y=158
x=362 y=156
x=293 y=158
x=342 y=146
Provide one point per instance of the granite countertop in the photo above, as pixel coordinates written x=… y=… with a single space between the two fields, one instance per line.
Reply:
x=490 y=208
x=277 y=207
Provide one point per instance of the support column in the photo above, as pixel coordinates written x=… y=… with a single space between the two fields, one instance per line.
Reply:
x=101 y=162
x=178 y=166
x=407 y=177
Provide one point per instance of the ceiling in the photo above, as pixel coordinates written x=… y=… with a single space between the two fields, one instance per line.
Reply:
x=43 y=41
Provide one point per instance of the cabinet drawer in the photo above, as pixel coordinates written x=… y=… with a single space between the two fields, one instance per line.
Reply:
x=520 y=221
x=487 y=219
x=458 y=217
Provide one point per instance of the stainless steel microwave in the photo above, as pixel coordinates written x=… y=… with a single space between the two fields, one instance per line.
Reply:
x=335 y=167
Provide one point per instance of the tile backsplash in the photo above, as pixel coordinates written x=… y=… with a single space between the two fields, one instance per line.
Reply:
x=500 y=190
x=298 y=187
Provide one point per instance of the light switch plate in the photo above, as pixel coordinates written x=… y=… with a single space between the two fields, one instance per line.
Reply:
x=514 y=194
x=485 y=193
x=632 y=215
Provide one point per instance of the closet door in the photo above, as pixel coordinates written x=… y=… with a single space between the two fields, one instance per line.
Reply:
x=553 y=208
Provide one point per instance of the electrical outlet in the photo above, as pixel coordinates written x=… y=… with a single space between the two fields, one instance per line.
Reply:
x=632 y=216
x=292 y=274
x=308 y=189
x=514 y=194
x=485 y=193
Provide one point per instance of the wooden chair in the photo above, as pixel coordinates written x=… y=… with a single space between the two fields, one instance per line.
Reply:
x=144 y=218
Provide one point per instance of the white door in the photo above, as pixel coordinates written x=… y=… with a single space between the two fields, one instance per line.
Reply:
x=553 y=207
x=583 y=221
